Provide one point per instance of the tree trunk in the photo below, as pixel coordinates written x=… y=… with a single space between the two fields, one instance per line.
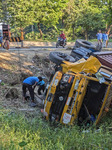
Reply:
x=73 y=33
x=40 y=30
x=106 y=26
x=109 y=29
x=86 y=35
x=62 y=22
x=22 y=37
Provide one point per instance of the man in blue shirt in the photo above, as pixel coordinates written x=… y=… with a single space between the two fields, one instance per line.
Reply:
x=99 y=37
x=107 y=39
x=30 y=83
x=104 y=39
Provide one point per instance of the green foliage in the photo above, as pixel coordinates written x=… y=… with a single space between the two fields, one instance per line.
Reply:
x=49 y=34
x=83 y=15
x=2 y=83
x=76 y=17
x=106 y=6
x=18 y=132
x=15 y=32
x=20 y=12
x=1 y=11
x=32 y=36
x=48 y=12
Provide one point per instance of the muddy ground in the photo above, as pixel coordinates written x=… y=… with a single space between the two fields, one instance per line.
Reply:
x=15 y=66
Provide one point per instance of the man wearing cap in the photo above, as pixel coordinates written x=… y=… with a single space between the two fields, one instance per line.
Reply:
x=30 y=83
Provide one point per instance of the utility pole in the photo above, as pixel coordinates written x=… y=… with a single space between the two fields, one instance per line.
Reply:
x=32 y=28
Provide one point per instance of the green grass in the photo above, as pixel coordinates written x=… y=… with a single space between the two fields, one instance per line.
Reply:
x=17 y=132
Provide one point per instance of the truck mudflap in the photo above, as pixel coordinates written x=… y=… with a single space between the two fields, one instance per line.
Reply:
x=106 y=104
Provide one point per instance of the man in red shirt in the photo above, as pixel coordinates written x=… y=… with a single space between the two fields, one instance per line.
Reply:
x=62 y=35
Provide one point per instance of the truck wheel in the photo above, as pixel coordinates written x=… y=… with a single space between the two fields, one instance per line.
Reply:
x=58 y=57
x=86 y=44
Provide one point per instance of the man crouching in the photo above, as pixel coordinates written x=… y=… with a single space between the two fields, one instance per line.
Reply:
x=30 y=83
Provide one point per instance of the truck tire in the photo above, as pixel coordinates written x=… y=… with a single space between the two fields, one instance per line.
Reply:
x=81 y=52
x=58 y=57
x=86 y=44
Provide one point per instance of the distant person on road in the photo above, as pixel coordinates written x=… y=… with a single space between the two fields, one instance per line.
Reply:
x=30 y=83
x=6 y=44
x=107 y=39
x=104 y=38
x=62 y=35
x=99 y=37
x=1 y=39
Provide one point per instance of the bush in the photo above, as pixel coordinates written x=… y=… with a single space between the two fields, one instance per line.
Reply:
x=32 y=36
x=49 y=35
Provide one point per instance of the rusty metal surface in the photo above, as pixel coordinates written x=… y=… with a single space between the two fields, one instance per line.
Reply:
x=105 y=58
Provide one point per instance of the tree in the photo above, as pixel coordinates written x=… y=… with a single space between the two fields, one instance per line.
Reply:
x=1 y=10
x=108 y=14
x=48 y=12
x=85 y=15
x=92 y=18
x=20 y=12
x=106 y=6
x=71 y=15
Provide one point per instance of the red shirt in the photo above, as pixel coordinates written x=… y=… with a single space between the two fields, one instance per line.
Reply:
x=62 y=35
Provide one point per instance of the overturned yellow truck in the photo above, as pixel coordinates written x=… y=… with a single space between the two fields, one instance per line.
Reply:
x=79 y=92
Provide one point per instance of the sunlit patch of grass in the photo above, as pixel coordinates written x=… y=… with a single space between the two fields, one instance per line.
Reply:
x=20 y=133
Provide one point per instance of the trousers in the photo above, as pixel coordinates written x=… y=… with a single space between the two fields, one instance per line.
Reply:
x=30 y=89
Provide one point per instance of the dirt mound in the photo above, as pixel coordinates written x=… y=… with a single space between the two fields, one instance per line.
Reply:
x=41 y=60
x=44 y=65
x=12 y=93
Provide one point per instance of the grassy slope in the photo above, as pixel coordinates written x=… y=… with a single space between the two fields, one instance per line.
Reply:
x=31 y=133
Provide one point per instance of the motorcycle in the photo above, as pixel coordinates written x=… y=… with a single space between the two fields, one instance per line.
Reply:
x=60 y=42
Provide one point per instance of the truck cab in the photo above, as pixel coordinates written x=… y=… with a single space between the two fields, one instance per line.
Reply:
x=79 y=93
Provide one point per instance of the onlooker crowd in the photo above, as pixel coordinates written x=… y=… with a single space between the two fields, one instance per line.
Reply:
x=102 y=38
